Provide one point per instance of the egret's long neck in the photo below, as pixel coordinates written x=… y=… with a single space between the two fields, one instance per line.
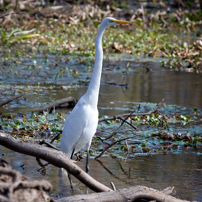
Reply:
x=94 y=86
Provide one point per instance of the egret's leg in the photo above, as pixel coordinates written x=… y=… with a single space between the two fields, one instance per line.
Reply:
x=87 y=166
x=70 y=181
x=72 y=153
x=87 y=148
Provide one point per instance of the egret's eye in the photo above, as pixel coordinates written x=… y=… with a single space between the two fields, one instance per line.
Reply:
x=111 y=21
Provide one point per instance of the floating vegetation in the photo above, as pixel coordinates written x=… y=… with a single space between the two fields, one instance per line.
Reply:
x=41 y=43
x=152 y=134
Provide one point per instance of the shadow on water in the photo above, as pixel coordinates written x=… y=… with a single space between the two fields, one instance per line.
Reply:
x=123 y=84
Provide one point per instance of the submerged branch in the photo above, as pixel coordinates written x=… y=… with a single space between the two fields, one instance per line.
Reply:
x=113 y=143
x=69 y=101
x=10 y=99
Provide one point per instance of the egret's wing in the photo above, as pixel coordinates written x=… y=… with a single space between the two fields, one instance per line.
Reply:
x=73 y=128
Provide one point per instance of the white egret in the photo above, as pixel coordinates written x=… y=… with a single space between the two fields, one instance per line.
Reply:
x=80 y=126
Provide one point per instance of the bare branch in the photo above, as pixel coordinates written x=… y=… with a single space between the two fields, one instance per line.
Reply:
x=132 y=114
x=113 y=186
x=112 y=173
x=57 y=158
x=103 y=151
x=124 y=121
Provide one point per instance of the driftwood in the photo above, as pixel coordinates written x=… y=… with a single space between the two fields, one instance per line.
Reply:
x=57 y=158
x=17 y=187
x=68 y=101
x=61 y=160
x=2 y=103
x=136 y=193
x=65 y=102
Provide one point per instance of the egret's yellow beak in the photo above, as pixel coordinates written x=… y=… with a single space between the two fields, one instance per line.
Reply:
x=122 y=22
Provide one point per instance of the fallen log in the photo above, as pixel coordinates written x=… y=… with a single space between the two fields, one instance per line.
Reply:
x=65 y=102
x=4 y=102
x=55 y=157
x=17 y=187
x=135 y=193
x=61 y=160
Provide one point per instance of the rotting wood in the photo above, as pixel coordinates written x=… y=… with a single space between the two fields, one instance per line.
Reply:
x=17 y=187
x=135 y=193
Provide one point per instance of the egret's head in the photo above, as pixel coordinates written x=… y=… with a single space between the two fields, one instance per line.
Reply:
x=109 y=21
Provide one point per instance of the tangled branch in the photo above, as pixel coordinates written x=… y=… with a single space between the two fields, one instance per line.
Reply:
x=121 y=116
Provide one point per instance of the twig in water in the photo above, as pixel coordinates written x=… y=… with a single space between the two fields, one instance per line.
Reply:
x=56 y=137
x=127 y=145
x=57 y=103
x=121 y=167
x=110 y=172
x=123 y=121
x=132 y=114
x=103 y=151
x=48 y=144
x=113 y=186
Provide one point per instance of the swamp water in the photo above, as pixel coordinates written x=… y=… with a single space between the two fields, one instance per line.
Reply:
x=125 y=84
x=183 y=171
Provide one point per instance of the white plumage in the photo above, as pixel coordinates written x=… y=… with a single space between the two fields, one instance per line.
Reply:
x=80 y=126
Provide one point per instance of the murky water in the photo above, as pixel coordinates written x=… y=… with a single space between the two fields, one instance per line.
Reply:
x=183 y=171
x=126 y=83
x=120 y=86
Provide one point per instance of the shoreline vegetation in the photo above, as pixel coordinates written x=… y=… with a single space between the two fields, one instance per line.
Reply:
x=30 y=28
